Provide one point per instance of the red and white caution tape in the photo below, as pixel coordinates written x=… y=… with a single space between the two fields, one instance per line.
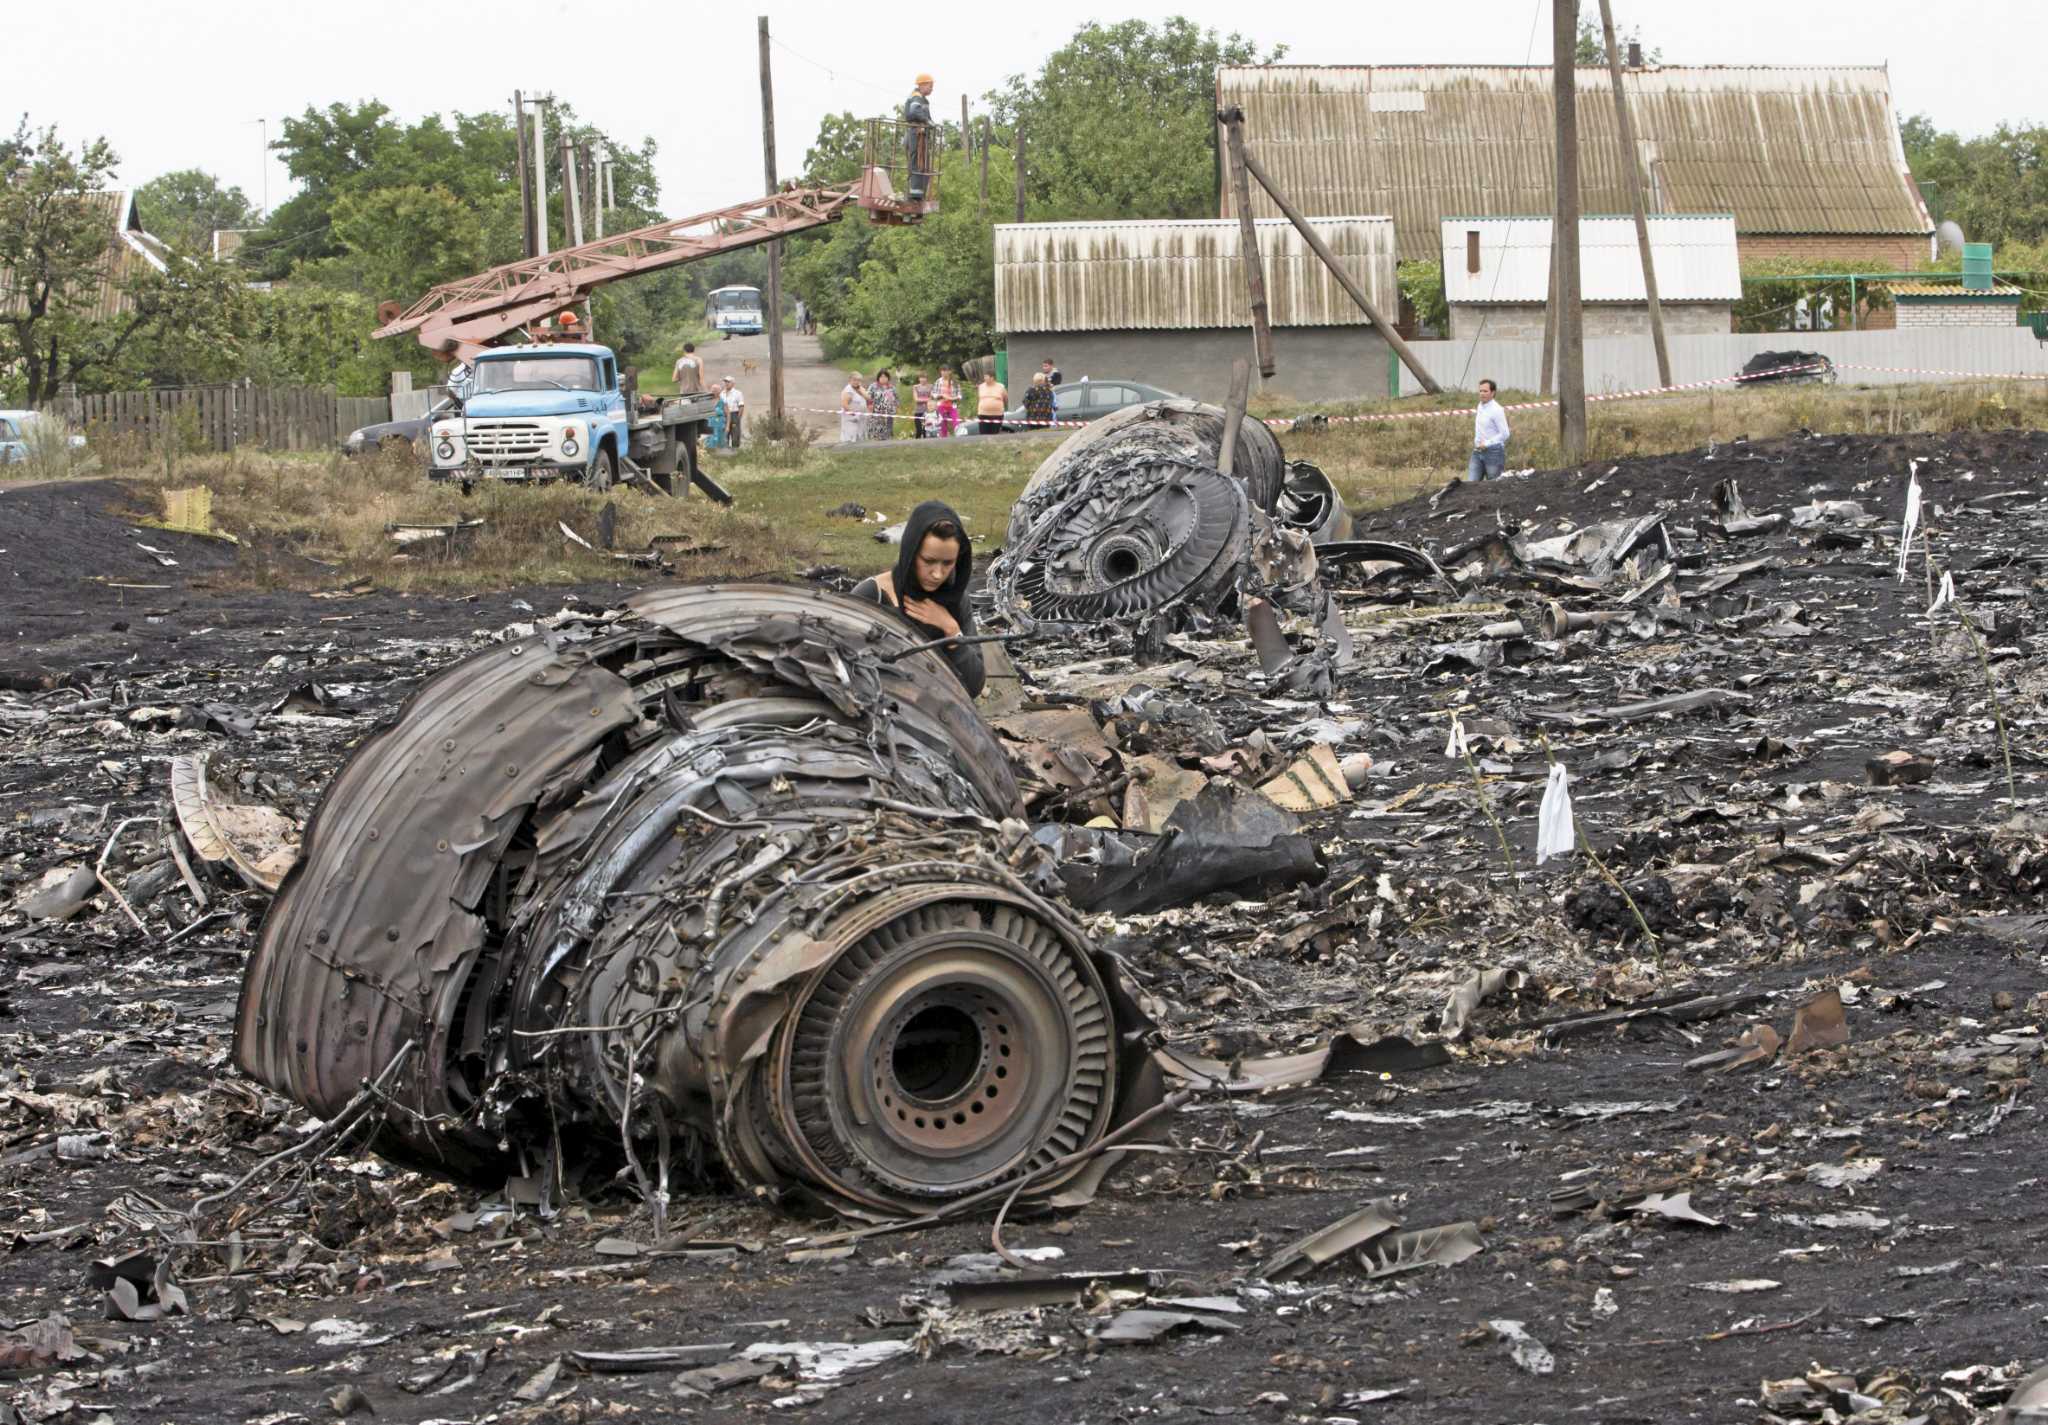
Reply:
x=1290 y=422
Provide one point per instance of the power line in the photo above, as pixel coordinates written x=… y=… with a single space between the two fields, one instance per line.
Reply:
x=829 y=71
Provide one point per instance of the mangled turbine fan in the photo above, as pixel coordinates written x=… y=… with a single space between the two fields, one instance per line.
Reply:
x=1130 y=517
x=719 y=875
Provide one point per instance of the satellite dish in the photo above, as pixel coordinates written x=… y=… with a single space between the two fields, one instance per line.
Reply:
x=1949 y=236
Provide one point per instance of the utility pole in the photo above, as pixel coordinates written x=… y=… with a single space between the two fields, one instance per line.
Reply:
x=1548 y=381
x=966 y=134
x=540 y=174
x=1343 y=279
x=1249 y=257
x=984 y=162
x=1571 y=331
x=773 y=315
x=1018 y=143
x=572 y=208
x=525 y=179
x=601 y=192
x=1625 y=131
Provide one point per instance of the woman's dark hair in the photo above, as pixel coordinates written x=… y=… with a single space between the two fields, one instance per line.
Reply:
x=942 y=529
x=883 y=375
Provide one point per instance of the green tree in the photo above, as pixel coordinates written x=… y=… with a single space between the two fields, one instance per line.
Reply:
x=57 y=242
x=922 y=294
x=54 y=243
x=1120 y=121
x=398 y=242
x=1994 y=186
x=185 y=208
x=1592 y=46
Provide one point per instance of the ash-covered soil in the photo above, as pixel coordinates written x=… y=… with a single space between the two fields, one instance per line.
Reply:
x=1877 y=1243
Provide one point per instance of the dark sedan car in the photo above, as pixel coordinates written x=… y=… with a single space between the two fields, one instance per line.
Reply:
x=385 y=434
x=1092 y=400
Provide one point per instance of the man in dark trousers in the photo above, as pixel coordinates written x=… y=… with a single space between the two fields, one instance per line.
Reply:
x=917 y=118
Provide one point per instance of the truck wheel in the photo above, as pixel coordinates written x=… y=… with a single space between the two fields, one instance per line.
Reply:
x=604 y=471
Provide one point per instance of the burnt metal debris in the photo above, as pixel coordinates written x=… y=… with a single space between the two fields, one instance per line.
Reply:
x=732 y=874
x=1138 y=522
x=1131 y=517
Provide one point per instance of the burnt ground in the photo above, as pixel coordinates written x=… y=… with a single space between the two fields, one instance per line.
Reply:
x=1889 y=1189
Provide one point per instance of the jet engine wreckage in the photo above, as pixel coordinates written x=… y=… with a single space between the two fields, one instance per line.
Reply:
x=1138 y=520
x=735 y=874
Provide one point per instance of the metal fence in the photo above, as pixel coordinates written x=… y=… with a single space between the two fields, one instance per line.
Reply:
x=223 y=416
x=1630 y=364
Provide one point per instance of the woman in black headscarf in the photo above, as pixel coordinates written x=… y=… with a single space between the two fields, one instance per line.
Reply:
x=928 y=586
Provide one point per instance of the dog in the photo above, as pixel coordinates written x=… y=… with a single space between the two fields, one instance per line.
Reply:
x=746 y=365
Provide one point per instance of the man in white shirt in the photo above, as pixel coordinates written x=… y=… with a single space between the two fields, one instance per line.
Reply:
x=1489 y=437
x=736 y=408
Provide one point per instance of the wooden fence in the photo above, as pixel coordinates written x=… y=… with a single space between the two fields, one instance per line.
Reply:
x=225 y=416
x=354 y=412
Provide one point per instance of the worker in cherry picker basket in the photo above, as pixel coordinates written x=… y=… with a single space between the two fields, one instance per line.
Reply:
x=917 y=119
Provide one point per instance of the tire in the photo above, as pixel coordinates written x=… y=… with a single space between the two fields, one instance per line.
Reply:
x=604 y=470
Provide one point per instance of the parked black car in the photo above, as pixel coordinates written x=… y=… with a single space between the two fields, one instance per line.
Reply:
x=385 y=434
x=1092 y=400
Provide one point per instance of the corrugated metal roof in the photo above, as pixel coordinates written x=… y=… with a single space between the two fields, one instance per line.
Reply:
x=2004 y=291
x=1183 y=274
x=127 y=247
x=1694 y=253
x=1786 y=150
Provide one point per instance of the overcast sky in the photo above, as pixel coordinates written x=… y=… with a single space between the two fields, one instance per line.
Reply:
x=176 y=84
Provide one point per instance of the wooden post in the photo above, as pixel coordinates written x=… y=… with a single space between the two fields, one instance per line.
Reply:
x=1548 y=380
x=1233 y=414
x=984 y=162
x=1322 y=249
x=540 y=177
x=1625 y=131
x=1248 y=256
x=773 y=316
x=572 y=207
x=525 y=178
x=1571 y=331
x=1017 y=142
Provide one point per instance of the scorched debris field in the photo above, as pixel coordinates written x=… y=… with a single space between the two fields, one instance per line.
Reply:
x=1726 y=1114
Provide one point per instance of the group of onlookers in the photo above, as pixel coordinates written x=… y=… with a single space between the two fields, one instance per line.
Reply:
x=870 y=410
x=731 y=414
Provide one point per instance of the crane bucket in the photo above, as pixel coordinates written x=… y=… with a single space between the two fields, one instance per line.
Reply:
x=899 y=181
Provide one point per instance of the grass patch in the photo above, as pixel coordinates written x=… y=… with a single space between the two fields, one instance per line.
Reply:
x=289 y=508
x=1377 y=463
x=335 y=512
x=979 y=478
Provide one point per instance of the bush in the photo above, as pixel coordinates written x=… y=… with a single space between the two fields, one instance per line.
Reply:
x=51 y=454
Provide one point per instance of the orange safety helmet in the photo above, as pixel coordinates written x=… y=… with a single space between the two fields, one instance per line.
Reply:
x=567 y=319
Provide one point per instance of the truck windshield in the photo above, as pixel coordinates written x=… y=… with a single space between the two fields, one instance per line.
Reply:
x=532 y=373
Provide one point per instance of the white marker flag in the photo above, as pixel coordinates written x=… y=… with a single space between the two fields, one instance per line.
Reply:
x=1554 y=817
x=1912 y=516
x=1946 y=595
x=1457 y=747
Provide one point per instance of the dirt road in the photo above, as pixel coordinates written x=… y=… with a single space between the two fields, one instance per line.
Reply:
x=810 y=384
